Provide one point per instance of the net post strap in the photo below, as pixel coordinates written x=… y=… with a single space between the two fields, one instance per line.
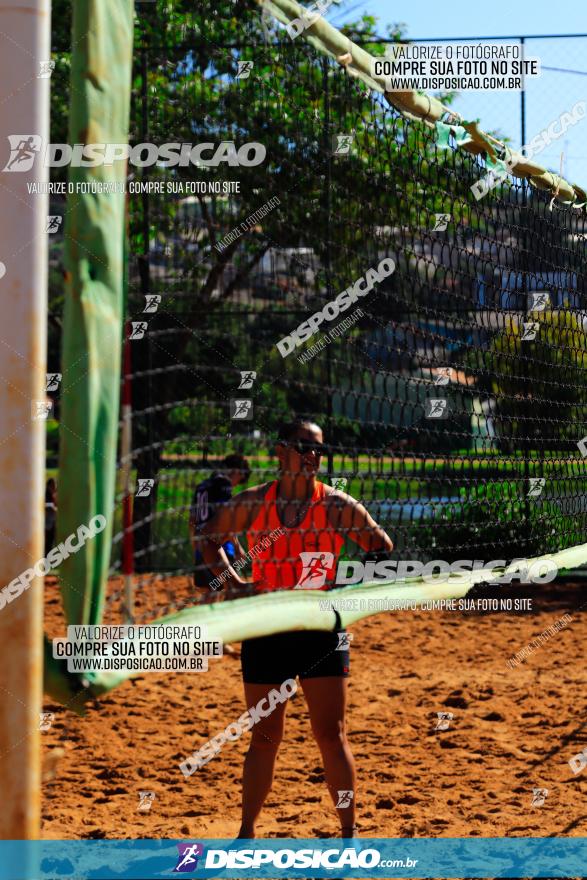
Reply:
x=290 y=610
x=99 y=113
x=328 y=40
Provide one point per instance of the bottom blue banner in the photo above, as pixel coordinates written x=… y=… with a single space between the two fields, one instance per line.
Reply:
x=361 y=857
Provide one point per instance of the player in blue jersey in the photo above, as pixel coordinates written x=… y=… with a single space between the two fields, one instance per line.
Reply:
x=209 y=495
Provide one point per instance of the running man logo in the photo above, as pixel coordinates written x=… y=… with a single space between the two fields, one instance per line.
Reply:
x=46 y=68
x=247 y=379
x=315 y=568
x=339 y=483
x=54 y=222
x=441 y=221
x=539 y=795
x=46 y=719
x=24 y=148
x=344 y=641
x=152 y=301
x=52 y=381
x=345 y=799
x=139 y=328
x=241 y=409
x=444 y=719
x=442 y=376
x=536 y=486
x=146 y=799
x=341 y=144
x=41 y=410
x=436 y=408
x=540 y=302
x=144 y=488
x=530 y=330
x=578 y=762
x=187 y=861
x=244 y=69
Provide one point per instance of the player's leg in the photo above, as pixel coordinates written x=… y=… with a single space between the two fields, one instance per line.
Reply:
x=260 y=759
x=327 y=698
x=269 y=658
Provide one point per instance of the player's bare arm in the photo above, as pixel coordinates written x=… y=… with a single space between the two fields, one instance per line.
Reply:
x=232 y=519
x=349 y=516
x=240 y=552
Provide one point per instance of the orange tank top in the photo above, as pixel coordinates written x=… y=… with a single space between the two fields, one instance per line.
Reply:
x=303 y=557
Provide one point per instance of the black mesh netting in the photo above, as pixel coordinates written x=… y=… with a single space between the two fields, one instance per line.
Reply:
x=452 y=403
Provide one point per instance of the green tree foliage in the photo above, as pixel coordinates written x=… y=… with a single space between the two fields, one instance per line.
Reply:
x=528 y=375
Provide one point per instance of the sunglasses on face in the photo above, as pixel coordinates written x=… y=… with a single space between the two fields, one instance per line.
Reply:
x=305 y=447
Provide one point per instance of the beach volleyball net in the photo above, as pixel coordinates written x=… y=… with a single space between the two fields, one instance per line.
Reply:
x=452 y=395
x=451 y=388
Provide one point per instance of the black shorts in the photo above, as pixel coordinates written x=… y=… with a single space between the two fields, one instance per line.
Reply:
x=203 y=577
x=307 y=653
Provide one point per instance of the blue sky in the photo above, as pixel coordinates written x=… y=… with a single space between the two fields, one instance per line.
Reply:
x=554 y=92
x=462 y=18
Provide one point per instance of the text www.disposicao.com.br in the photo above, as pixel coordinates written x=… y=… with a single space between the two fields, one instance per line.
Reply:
x=136 y=664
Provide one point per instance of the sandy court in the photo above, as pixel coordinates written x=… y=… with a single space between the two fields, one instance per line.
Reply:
x=513 y=730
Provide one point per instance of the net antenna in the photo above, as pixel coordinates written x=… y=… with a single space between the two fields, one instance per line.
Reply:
x=24 y=116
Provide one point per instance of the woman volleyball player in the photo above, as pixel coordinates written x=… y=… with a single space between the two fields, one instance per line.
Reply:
x=315 y=519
